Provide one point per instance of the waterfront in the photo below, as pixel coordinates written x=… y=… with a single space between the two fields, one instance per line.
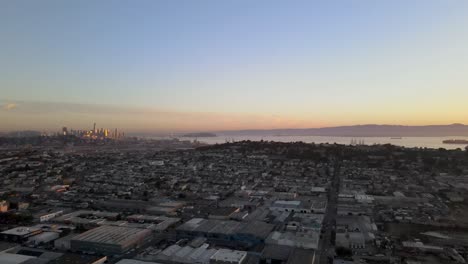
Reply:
x=423 y=142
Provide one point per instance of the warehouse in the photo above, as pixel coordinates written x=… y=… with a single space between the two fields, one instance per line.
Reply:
x=63 y=243
x=134 y=261
x=226 y=256
x=176 y=254
x=19 y=234
x=110 y=240
x=310 y=206
x=225 y=232
x=43 y=238
x=10 y=258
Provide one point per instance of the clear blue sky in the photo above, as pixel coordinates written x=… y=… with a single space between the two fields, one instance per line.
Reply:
x=288 y=63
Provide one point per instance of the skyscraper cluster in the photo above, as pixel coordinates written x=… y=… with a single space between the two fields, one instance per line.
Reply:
x=95 y=133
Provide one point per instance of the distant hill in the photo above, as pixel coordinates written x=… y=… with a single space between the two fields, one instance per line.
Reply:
x=24 y=133
x=201 y=134
x=362 y=131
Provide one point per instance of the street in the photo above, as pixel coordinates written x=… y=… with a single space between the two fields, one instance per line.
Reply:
x=326 y=246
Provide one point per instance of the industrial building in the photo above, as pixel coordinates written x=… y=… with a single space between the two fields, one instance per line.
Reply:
x=110 y=240
x=70 y=258
x=10 y=258
x=305 y=239
x=43 y=238
x=19 y=234
x=26 y=255
x=63 y=243
x=227 y=256
x=312 y=206
x=226 y=232
x=203 y=254
x=155 y=223
x=354 y=232
x=301 y=231
x=47 y=215
x=134 y=261
x=85 y=218
x=186 y=254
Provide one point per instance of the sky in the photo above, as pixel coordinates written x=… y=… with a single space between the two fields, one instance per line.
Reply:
x=178 y=65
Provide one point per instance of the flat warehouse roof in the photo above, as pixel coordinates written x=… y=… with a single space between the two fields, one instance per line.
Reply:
x=8 y=258
x=111 y=235
x=20 y=231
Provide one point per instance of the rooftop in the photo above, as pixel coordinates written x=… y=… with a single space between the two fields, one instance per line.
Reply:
x=229 y=255
x=304 y=240
x=281 y=203
x=70 y=258
x=20 y=231
x=111 y=235
x=9 y=258
x=134 y=261
x=256 y=228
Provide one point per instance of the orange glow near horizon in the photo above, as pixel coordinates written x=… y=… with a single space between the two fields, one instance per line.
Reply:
x=52 y=116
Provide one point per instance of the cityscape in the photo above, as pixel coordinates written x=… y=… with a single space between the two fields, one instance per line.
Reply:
x=237 y=202
x=234 y=132
x=95 y=134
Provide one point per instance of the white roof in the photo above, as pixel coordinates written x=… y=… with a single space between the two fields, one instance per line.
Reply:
x=112 y=235
x=318 y=189
x=21 y=231
x=436 y=234
x=286 y=204
x=420 y=245
x=228 y=255
x=307 y=240
x=364 y=197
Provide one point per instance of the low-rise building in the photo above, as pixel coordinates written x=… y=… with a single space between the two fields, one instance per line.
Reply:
x=226 y=232
x=313 y=206
x=110 y=240
x=227 y=256
x=20 y=234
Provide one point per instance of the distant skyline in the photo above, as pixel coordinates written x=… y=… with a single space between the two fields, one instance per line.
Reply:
x=169 y=66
